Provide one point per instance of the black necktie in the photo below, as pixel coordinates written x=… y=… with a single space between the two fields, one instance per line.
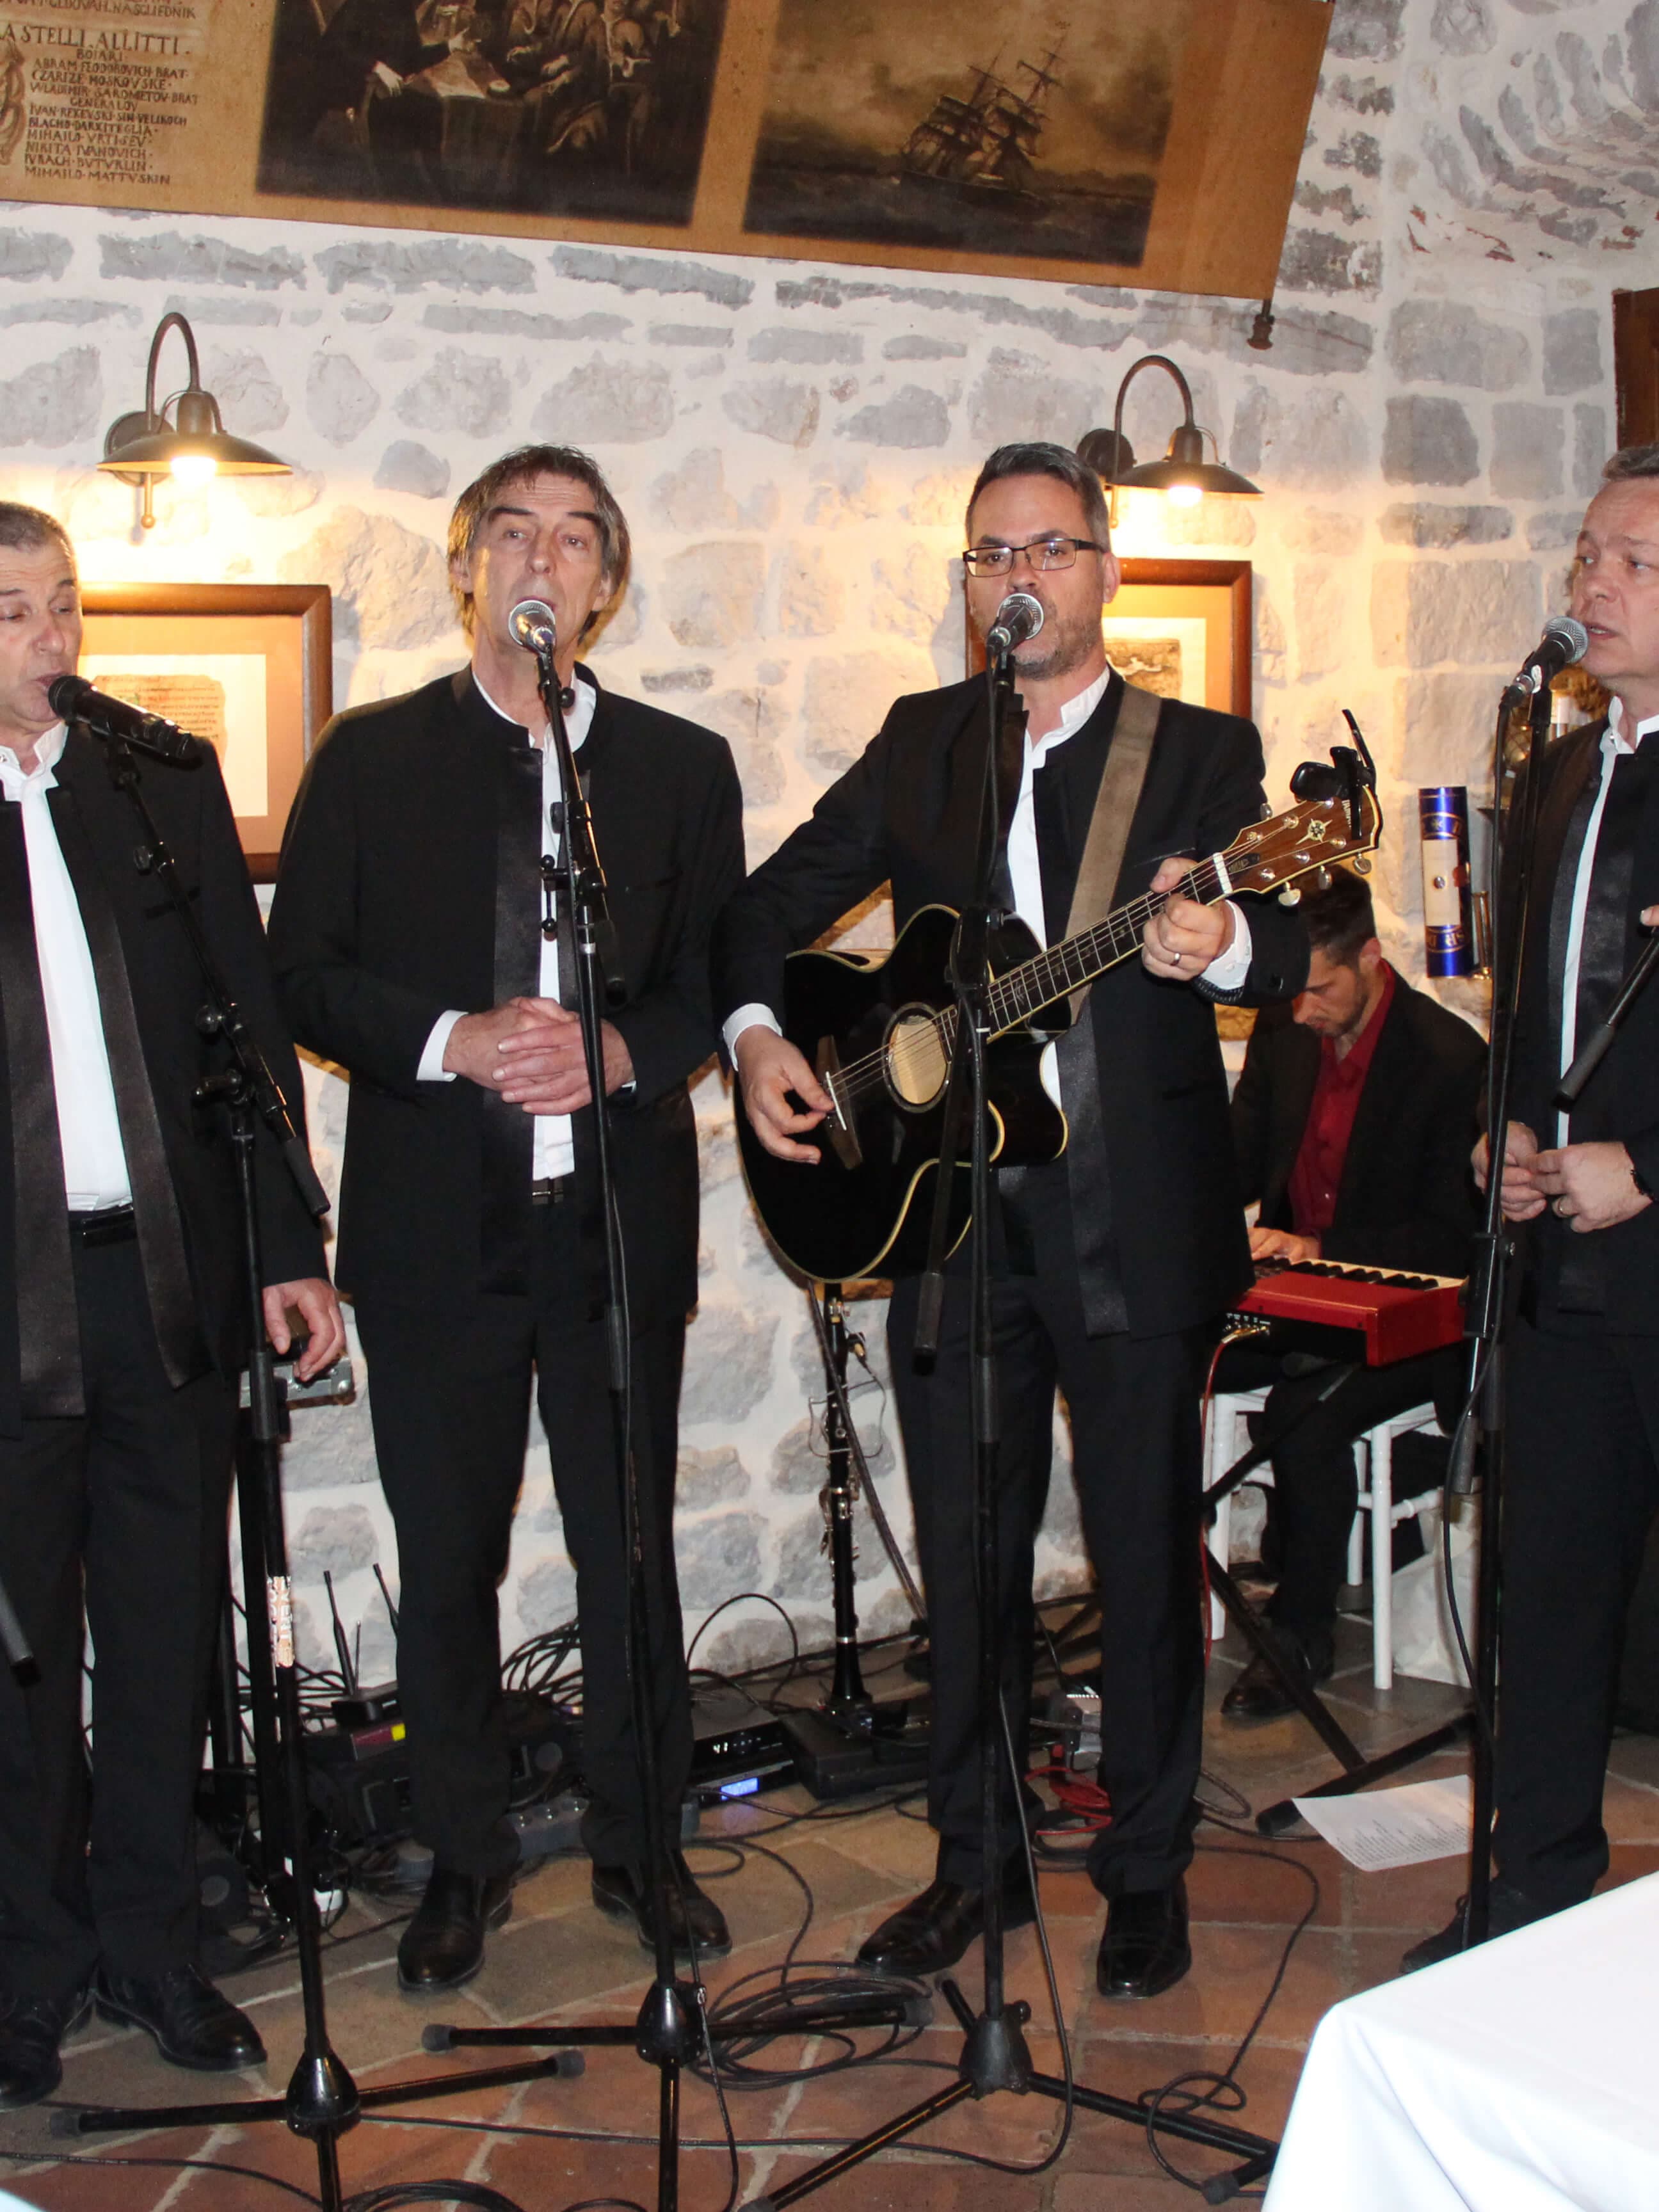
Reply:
x=509 y=1133
x=155 y=1204
x=1604 y=954
x=48 y=1329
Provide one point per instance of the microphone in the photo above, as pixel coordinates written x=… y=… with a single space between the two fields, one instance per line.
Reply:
x=74 y=698
x=535 y=627
x=1018 y=617
x=1564 y=641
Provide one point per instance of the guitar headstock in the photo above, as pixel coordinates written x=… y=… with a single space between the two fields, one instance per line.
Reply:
x=1270 y=854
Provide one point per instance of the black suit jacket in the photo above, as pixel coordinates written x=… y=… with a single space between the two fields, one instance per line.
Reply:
x=1406 y=1198
x=193 y=816
x=385 y=917
x=1621 y=1100
x=905 y=813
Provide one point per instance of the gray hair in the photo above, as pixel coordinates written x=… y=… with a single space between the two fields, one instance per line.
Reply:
x=28 y=529
x=521 y=467
x=1632 y=461
x=1035 y=458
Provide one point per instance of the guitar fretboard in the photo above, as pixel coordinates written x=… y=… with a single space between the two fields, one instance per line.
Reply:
x=1038 y=982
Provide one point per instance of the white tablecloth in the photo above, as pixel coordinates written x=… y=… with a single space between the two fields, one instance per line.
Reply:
x=1521 y=2077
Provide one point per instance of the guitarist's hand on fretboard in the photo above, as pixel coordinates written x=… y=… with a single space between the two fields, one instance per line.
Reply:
x=1180 y=940
x=769 y=1068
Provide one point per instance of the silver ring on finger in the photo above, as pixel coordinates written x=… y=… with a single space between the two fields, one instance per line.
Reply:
x=1561 y=1209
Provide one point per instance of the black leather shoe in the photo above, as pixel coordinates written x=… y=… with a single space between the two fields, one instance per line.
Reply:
x=691 y=1913
x=933 y=1930
x=443 y=1946
x=1259 y=1695
x=1145 y=1949
x=193 y=2026
x=1507 y=1909
x=31 y=2029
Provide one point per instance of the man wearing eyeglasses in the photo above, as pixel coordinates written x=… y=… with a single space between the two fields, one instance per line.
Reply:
x=1110 y=1263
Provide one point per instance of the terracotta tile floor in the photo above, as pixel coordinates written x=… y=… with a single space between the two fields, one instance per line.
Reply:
x=557 y=1959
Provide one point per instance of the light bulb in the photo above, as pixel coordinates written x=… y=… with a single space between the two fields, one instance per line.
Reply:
x=1185 y=494
x=194 y=468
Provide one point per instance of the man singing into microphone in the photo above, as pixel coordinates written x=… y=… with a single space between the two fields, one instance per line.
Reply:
x=1581 y=1419
x=1110 y=1261
x=414 y=944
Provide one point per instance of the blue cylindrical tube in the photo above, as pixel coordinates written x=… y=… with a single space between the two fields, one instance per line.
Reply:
x=1443 y=816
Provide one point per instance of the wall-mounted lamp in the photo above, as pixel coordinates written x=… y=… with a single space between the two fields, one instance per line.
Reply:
x=1184 y=472
x=191 y=444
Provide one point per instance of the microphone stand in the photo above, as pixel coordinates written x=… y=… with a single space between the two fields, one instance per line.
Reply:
x=994 y=2054
x=1482 y=1420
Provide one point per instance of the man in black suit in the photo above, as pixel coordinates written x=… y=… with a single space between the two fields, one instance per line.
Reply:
x=122 y=1330
x=413 y=943
x=1354 y=1120
x=1582 y=1411
x=1112 y=1261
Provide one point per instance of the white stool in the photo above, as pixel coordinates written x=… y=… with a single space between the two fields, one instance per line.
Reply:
x=1227 y=1438
x=1373 y=1455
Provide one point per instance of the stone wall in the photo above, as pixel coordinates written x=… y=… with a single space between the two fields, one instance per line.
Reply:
x=792 y=443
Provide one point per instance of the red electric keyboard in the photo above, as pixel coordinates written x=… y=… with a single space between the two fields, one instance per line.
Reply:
x=1345 y=1311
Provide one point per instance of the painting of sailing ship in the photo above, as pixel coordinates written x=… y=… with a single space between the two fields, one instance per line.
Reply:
x=1017 y=131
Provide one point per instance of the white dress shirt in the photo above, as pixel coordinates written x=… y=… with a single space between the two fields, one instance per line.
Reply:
x=1225 y=972
x=554 y=1153
x=1614 y=744
x=89 y=1124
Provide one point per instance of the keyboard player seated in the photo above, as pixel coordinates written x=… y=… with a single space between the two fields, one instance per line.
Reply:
x=1353 y=1120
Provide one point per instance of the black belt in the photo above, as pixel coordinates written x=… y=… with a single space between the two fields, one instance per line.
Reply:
x=551 y=1190
x=105 y=1224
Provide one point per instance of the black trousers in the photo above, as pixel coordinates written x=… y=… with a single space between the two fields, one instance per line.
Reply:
x=1133 y=1403
x=1581 y=1491
x=127 y=1506
x=449 y=1394
x=1311 y=1505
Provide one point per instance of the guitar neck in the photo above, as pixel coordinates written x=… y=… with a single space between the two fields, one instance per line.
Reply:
x=1049 y=976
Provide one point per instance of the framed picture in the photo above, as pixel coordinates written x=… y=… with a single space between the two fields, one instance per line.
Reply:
x=1181 y=628
x=1149 y=142
x=247 y=667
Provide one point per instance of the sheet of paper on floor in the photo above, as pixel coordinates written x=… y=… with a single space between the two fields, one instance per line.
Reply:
x=1407 y=1827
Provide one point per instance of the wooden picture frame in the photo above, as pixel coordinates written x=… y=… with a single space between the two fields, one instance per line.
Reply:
x=1192 y=621
x=1163 y=157
x=1200 y=613
x=248 y=667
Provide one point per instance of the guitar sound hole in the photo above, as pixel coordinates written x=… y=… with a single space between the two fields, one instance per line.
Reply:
x=914 y=1059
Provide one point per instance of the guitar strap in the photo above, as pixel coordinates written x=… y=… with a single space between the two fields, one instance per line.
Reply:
x=1138 y=716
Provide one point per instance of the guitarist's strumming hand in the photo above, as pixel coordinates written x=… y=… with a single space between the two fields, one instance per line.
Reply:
x=769 y=1068
x=1180 y=942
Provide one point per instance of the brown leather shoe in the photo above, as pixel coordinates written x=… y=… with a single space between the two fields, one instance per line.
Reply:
x=696 y=1926
x=1146 y=1949
x=443 y=1946
x=933 y=1931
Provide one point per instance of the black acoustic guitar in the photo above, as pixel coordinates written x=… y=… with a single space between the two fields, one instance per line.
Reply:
x=879 y=1034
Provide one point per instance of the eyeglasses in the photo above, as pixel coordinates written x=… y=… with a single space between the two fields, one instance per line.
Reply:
x=1044 y=554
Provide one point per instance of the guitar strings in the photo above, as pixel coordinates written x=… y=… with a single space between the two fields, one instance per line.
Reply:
x=909 y=1050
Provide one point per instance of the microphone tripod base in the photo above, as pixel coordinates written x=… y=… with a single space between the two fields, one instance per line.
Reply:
x=322 y=2097
x=994 y=2056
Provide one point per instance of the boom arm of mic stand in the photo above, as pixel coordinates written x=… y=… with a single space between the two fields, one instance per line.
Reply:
x=1572 y=1083
x=222 y=1017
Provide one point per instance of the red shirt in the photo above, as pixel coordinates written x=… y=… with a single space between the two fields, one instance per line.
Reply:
x=1317 y=1176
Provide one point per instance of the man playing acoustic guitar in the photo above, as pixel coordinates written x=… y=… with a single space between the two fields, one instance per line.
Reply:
x=1111 y=1261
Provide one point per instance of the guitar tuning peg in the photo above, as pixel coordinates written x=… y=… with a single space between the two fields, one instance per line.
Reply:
x=1289 y=896
x=1360 y=864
